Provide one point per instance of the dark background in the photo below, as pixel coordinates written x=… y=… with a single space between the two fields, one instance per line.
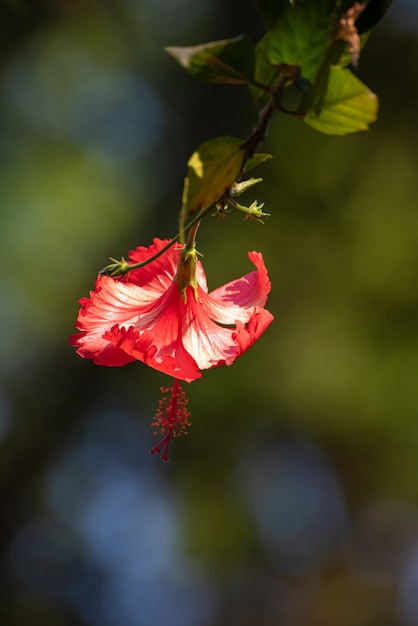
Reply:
x=294 y=500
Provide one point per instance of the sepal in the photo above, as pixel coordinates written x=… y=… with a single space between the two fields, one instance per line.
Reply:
x=117 y=268
x=252 y=212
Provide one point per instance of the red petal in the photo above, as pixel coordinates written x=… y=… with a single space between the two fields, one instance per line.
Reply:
x=113 y=302
x=160 y=348
x=245 y=336
x=143 y=317
x=208 y=343
x=238 y=299
x=157 y=275
x=101 y=353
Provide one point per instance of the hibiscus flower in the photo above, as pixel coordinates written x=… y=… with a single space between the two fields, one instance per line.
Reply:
x=163 y=315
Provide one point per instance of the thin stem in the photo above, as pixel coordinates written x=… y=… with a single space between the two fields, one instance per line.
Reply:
x=232 y=202
x=259 y=132
x=255 y=83
x=257 y=135
x=191 y=239
x=194 y=225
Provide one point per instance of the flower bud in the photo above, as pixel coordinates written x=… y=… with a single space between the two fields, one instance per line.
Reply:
x=186 y=271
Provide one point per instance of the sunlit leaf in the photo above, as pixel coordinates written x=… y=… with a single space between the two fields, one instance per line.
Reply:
x=211 y=170
x=256 y=159
x=345 y=105
x=301 y=36
x=226 y=61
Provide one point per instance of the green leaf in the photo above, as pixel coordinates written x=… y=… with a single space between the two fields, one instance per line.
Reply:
x=226 y=61
x=345 y=58
x=265 y=73
x=341 y=105
x=302 y=35
x=211 y=170
x=256 y=159
x=271 y=10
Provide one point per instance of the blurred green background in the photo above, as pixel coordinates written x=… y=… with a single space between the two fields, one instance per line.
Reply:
x=294 y=500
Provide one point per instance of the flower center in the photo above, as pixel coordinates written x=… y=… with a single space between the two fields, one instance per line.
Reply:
x=172 y=417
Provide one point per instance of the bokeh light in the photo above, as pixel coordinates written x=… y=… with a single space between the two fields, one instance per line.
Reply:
x=294 y=498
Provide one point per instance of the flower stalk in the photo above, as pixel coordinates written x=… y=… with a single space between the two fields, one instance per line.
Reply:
x=121 y=268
